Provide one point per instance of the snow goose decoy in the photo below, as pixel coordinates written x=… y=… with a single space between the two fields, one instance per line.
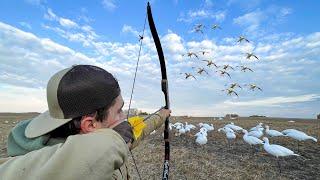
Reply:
x=201 y=138
x=259 y=126
x=251 y=140
x=229 y=134
x=298 y=135
x=208 y=127
x=256 y=133
x=277 y=150
x=273 y=133
x=234 y=127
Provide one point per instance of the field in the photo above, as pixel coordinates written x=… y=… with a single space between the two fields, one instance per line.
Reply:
x=216 y=160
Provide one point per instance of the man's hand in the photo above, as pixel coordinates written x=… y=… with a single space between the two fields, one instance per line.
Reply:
x=125 y=131
x=164 y=113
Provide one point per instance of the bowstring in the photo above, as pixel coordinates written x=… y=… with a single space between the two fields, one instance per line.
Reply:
x=133 y=85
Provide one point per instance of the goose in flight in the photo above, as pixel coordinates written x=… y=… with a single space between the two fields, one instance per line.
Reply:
x=199 y=28
x=230 y=92
x=201 y=70
x=225 y=67
x=188 y=75
x=190 y=54
x=209 y=63
x=244 y=68
x=250 y=55
x=242 y=38
x=216 y=26
x=222 y=73
x=233 y=85
x=253 y=87
x=204 y=52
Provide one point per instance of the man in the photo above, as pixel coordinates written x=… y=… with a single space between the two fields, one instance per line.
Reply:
x=83 y=135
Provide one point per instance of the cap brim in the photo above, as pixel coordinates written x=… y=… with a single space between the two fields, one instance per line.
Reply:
x=43 y=124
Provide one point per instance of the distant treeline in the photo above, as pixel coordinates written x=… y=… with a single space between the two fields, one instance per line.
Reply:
x=17 y=114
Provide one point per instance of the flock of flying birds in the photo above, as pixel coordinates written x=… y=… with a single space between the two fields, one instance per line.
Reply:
x=223 y=70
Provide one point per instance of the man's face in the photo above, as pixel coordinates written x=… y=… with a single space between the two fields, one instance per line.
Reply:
x=115 y=114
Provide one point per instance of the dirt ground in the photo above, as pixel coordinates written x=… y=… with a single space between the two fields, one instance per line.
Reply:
x=215 y=160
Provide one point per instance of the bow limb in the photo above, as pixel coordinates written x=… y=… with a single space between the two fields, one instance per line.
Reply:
x=164 y=86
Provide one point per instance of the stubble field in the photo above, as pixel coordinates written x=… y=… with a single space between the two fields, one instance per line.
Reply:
x=215 y=160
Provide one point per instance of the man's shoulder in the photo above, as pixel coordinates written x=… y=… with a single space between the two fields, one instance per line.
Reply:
x=102 y=140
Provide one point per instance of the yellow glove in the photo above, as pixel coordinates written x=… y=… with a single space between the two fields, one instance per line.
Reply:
x=138 y=125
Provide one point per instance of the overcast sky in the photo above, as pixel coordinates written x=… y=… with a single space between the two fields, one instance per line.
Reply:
x=41 y=37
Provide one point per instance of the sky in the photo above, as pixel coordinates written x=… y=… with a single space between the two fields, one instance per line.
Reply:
x=41 y=37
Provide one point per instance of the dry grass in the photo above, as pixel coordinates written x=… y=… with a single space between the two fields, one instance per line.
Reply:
x=8 y=121
x=215 y=160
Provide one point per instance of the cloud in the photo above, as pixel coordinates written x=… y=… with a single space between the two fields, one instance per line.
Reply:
x=259 y=22
x=276 y=101
x=287 y=70
x=109 y=5
x=173 y=43
x=27 y=52
x=208 y=3
x=50 y=15
x=35 y=2
x=26 y=25
x=70 y=30
x=250 y=21
x=130 y=29
x=202 y=14
x=67 y=23
x=248 y=4
x=22 y=99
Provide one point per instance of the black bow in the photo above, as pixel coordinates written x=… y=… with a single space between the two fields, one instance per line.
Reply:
x=164 y=86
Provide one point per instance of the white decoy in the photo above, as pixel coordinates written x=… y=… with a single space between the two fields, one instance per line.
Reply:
x=177 y=124
x=200 y=132
x=201 y=138
x=298 y=135
x=251 y=140
x=286 y=131
x=188 y=127
x=182 y=130
x=273 y=133
x=204 y=131
x=277 y=150
x=170 y=126
x=259 y=126
x=257 y=133
x=225 y=129
x=230 y=135
x=234 y=127
x=208 y=127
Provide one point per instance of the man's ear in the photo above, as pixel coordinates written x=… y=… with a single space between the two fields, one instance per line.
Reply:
x=88 y=124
